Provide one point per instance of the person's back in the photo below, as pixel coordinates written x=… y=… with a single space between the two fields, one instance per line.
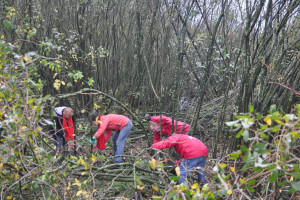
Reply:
x=163 y=124
x=115 y=121
x=106 y=123
x=186 y=146
x=166 y=123
x=191 y=149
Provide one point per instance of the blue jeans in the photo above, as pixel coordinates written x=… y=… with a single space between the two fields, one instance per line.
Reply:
x=190 y=164
x=59 y=142
x=119 y=139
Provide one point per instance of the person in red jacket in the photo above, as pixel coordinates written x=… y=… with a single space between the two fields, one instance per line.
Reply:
x=192 y=150
x=62 y=130
x=106 y=123
x=166 y=126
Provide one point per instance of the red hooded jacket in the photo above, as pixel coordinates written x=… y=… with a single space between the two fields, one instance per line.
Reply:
x=186 y=146
x=166 y=127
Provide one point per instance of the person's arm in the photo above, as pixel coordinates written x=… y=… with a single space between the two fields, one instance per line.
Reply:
x=167 y=143
x=107 y=135
x=101 y=129
x=58 y=125
x=156 y=138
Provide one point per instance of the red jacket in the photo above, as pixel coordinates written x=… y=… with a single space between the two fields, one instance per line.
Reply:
x=186 y=146
x=110 y=122
x=166 y=127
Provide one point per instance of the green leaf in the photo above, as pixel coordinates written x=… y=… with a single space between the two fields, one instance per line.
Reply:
x=151 y=165
x=262 y=135
x=258 y=116
x=250 y=189
x=273 y=166
x=174 y=178
x=274 y=117
x=171 y=195
x=30 y=101
x=239 y=134
x=223 y=165
x=260 y=148
x=257 y=169
x=296 y=175
x=296 y=186
x=263 y=127
x=246 y=135
x=242 y=117
x=273 y=108
x=235 y=155
x=138 y=181
x=273 y=177
x=195 y=186
x=251 y=108
x=248 y=162
x=282 y=183
x=276 y=129
x=251 y=182
x=244 y=148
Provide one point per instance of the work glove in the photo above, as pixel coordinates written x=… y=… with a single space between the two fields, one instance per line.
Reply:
x=148 y=117
x=93 y=140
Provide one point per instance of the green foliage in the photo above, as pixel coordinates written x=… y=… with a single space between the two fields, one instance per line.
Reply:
x=21 y=108
x=75 y=75
x=268 y=162
x=270 y=154
x=27 y=161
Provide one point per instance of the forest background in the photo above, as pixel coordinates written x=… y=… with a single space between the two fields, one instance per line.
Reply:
x=205 y=62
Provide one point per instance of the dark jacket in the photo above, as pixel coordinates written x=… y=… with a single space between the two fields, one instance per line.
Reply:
x=56 y=130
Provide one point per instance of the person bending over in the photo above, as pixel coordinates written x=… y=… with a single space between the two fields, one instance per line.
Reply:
x=106 y=123
x=192 y=151
x=166 y=126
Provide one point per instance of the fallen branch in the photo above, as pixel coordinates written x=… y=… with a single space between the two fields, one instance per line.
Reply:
x=289 y=88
